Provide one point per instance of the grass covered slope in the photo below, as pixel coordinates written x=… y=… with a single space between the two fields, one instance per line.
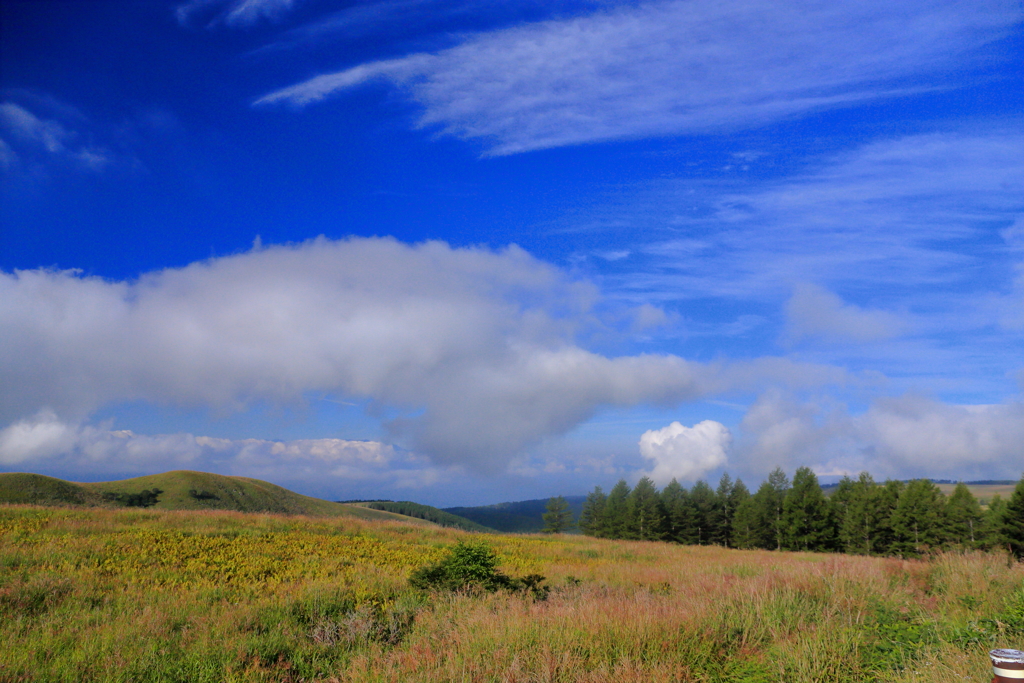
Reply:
x=180 y=490
x=36 y=489
x=147 y=595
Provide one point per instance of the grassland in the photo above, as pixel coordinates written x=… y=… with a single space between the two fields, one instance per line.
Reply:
x=181 y=490
x=149 y=595
x=983 y=492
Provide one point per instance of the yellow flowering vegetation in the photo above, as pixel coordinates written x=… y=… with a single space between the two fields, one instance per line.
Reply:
x=146 y=595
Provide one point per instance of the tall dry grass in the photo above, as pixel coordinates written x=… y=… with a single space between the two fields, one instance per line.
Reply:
x=107 y=595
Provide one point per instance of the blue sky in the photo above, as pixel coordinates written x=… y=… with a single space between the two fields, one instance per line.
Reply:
x=462 y=252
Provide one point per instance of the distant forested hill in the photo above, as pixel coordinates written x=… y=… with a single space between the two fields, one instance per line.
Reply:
x=525 y=516
x=430 y=514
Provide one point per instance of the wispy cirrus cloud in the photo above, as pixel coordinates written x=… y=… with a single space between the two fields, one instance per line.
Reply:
x=915 y=213
x=678 y=67
x=233 y=13
x=900 y=255
x=29 y=139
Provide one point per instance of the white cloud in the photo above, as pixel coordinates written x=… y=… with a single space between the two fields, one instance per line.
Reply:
x=663 y=68
x=905 y=436
x=41 y=437
x=685 y=453
x=44 y=441
x=813 y=311
x=473 y=347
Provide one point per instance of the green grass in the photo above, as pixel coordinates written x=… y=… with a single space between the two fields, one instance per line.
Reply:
x=146 y=595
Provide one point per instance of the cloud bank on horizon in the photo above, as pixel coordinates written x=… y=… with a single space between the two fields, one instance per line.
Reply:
x=477 y=350
x=700 y=236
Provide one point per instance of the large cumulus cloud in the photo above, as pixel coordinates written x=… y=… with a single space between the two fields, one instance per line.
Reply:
x=474 y=348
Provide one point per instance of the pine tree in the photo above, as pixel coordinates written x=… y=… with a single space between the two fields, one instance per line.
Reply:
x=746 y=525
x=754 y=522
x=592 y=517
x=839 y=504
x=992 y=523
x=1013 y=521
x=616 y=510
x=964 y=517
x=778 y=485
x=646 y=516
x=860 y=529
x=558 y=517
x=702 y=501
x=721 y=519
x=806 y=523
x=919 y=519
x=671 y=498
x=887 y=498
x=679 y=512
x=737 y=497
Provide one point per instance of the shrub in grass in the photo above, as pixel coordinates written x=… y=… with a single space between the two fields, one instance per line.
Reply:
x=473 y=566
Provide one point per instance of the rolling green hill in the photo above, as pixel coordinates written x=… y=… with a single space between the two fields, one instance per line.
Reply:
x=36 y=489
x=180 y=490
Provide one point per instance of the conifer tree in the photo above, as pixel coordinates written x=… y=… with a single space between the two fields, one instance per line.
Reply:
x=839 y=502
x=646 y=518
x=746 y=525
x=754 y=522
x=558 y=517
x=806 y=523
x=737 y=497
x=674 y=504
x=859 y=532
x=919 y=518
x=702 y=502
x=1013 y=521
x=887 y=498
x=992 y=523
x=592 y=517
x=778 y=485
x=721 y=519
x=964 y=518
x=616 y=511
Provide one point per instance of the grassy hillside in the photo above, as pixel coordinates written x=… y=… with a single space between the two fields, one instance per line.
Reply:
x=36 y=489
x=525 y=516
x=144 y=595
x=180 y=490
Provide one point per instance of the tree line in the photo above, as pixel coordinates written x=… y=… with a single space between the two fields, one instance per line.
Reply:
x=861 y=516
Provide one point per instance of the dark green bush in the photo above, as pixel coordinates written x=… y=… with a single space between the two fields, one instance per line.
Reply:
x=143 y=499
x=474 y=566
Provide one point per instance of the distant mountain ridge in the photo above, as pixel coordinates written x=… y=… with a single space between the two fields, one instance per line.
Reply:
x=178 y=490
x=429 y=513
x=525 y=516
